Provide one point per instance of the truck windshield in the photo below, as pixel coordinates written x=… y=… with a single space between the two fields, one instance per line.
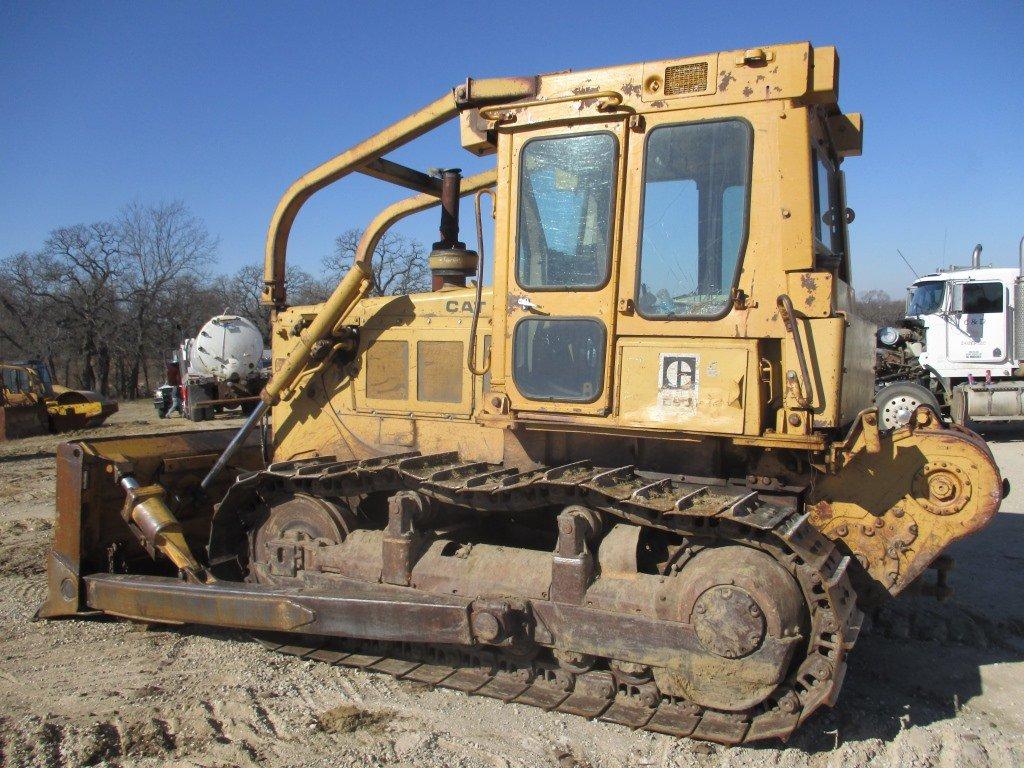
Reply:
x=925 y=299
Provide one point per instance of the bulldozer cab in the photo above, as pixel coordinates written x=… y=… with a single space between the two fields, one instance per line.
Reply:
x=647 y=243
x=24 y=382
x=22 y=402
x=671 y=255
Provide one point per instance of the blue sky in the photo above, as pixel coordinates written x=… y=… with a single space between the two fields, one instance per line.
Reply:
x=223 y=105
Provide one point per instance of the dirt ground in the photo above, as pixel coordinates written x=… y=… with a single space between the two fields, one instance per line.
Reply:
x=931 y=685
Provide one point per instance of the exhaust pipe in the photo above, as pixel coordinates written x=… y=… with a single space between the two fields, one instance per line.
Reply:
x=1018 y=309
x=450 y=261
x=976 y=256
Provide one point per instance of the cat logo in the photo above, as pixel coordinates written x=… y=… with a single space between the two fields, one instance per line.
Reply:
x=677 y=385
x=454 y=306
x=678 y=371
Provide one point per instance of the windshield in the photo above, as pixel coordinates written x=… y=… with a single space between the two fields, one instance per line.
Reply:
x=697 y=177
x=925 y=299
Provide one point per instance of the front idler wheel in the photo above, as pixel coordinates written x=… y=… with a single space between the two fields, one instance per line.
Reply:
x=293 y=533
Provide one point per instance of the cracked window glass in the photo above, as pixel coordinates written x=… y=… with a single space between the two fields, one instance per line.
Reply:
x=566 y=189
x=696 y=186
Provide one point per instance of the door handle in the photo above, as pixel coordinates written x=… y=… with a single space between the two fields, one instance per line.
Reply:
x=526 y=304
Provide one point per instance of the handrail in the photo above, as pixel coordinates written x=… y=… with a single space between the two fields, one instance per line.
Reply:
x=471 y=347
x=785 y=305
x=392 y=137
x=606 y=101
x=475 y=93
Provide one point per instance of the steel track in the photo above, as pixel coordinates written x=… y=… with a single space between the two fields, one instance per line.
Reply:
x=728 y=513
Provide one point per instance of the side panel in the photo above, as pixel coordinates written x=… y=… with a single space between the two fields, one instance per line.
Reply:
x=407 y=387
x=691 y=384
x=858 y=384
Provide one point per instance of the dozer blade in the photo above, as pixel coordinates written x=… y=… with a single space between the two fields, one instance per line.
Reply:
x=91 y=535
x=22 y=421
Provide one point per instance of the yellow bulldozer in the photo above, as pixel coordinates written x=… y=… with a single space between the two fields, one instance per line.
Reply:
x=31 y=404
x=636 y=477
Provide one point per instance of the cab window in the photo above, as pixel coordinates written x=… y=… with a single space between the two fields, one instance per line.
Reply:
x=925 y=298
x=694 y=228
x=566 y=191
x=560 y=359
x=983 y=298
x=828 y=209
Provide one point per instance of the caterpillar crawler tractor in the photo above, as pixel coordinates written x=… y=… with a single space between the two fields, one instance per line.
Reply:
x=638 y=477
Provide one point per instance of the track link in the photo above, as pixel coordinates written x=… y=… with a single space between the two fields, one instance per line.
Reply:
x=674 y=504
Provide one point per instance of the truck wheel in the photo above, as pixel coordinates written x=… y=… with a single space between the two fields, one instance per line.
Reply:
x=896 y=403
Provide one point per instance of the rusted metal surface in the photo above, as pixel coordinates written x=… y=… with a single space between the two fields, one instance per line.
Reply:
x=898 y=500
x=64 y=560
x=395 y=173
x=450 y=261
x=90 y=534
x=350 y=610
x=627 y=646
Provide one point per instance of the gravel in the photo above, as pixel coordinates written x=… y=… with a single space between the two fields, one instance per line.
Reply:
x=932 y=685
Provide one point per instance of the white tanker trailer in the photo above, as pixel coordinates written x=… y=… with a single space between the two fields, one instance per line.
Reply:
x=221 y=367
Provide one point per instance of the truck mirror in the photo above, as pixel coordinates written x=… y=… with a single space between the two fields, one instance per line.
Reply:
x=956 y=302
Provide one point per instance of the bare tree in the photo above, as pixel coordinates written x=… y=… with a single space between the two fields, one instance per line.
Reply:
x=879 y=308
x=105 y=304
x=19 y=318
x=399 y=264
x=240 y=293
x=72 y=281
x=160 y=243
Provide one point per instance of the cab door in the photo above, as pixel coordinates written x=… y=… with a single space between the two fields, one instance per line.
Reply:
x=978 y=334
x=565 y=193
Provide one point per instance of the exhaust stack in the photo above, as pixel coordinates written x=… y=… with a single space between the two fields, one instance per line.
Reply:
x=976 y=256
x=1018 y=308
x=450 y=261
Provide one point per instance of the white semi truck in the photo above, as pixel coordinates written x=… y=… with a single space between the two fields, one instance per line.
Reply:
x=960 y=348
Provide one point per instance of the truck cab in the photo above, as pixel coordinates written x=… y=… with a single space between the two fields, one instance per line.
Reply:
x=974 y=337
x=959 y=345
